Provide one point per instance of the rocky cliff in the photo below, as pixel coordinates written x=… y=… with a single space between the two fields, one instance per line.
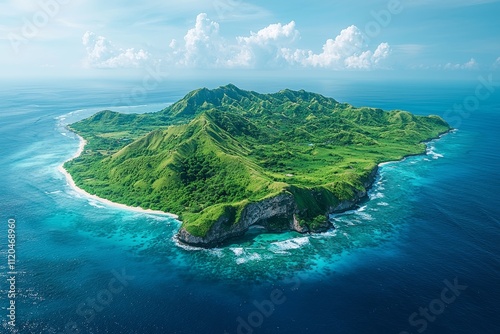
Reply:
x=359 y=194
x=276 y=214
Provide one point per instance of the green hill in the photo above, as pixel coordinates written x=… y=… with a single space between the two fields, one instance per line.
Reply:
x=225 y=159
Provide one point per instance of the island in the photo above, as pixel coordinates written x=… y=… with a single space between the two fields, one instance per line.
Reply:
x=227 y=159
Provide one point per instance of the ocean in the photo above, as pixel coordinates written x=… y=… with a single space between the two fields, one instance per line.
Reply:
x=420 y=255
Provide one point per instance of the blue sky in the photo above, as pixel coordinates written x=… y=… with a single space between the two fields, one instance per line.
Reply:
x=446 y=38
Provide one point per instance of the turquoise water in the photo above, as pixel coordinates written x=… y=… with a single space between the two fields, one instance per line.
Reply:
x=428 y=219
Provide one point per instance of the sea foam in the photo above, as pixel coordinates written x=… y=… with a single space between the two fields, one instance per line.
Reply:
x=283 y=246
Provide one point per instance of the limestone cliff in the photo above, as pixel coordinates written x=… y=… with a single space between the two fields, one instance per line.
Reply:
x=281 y=206
x=276 y=214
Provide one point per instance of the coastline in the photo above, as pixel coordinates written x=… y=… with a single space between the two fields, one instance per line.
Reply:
x=71 y=183
x=426 y=142
x=376 y=170
x=348 y=205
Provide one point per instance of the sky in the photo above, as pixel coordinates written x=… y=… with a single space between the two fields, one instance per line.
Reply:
x=363 y=38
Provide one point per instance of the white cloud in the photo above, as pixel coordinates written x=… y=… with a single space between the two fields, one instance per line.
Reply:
x=472 y=64
x=272 y=33
x=264 y=48
x=202 y=43
x=101 y=53
x=347 y=50
x=369 y=59
x=204 y=47
x=273 y=46
x=496 y=64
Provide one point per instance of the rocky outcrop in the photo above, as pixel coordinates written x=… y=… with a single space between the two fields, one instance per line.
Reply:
x=359 y=194
x=279 y=207
x=276 y=214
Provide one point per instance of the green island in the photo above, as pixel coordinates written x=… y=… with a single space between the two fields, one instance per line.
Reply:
x=226 y=159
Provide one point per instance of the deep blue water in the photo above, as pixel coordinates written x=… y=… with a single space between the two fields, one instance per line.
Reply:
x=84 y=267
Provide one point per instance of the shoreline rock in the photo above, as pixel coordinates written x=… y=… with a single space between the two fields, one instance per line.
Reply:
x=263 y=213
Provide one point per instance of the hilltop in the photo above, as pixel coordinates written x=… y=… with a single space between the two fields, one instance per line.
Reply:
x=226 y=159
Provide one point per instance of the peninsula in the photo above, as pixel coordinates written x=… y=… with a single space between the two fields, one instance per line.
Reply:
x=226 y=159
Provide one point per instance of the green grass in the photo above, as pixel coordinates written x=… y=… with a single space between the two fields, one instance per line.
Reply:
x=215 y=151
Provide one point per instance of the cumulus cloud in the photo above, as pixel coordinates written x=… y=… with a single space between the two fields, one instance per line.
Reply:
x=472 y=64
x=204 y=47
x=271 y=34
x=265 y=46
x=101 y=53
x=347 y=50
x=202 y=44
x=273 y=46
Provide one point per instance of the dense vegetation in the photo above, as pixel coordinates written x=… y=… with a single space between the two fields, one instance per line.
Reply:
x=214 y=151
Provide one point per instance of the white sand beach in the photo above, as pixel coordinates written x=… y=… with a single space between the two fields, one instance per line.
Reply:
x=80 y=191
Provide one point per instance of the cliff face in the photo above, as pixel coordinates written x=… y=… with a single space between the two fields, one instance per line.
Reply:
x=349 y=204
x=281 y=206
x=276 y=214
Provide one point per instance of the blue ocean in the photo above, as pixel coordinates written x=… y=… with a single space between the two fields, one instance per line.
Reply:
x=420 y=255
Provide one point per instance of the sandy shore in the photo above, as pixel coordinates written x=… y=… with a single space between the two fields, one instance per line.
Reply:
x=82 y=192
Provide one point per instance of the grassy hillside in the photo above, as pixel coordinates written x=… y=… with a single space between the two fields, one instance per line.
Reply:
x=215 y=151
